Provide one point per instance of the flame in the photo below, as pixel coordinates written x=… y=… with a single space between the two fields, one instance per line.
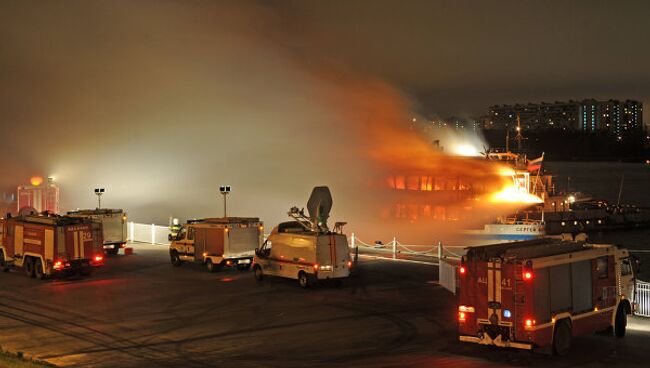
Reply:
x=465 y=149
x=512 y=194
x=506 y=171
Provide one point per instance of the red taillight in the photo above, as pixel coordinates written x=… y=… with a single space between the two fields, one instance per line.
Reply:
x=462 y=270
x=528 y=275
x=349 y=264
x=229 y=263
x=529 y=322
x=461 y=316
x=316 y=267
x=57 y=265
x=99 y=258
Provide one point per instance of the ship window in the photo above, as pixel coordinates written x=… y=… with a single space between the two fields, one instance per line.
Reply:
x=601 y=267
x=626 y=267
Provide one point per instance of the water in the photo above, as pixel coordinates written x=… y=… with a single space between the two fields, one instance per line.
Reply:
x=603 y=181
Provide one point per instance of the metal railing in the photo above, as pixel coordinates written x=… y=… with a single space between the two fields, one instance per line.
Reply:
x=394 y=247
x=158 y=234
x=642 y=299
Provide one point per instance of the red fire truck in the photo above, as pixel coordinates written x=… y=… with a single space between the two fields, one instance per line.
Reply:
x=48 y=245
x=542 y=293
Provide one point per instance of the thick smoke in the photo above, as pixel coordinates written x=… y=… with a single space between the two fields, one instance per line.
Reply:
x=161 y=103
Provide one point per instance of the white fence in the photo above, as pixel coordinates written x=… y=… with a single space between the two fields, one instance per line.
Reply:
x=148 y=233
x=157 y=234
x=394 y=247
x=642 y=299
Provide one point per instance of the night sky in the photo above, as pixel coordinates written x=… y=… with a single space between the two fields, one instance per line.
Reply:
x=162 y=101
x=458 y=57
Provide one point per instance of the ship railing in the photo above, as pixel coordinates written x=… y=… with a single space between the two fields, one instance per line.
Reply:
x=514 y=221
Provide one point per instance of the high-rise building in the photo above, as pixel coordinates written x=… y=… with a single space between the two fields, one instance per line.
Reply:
x=587 y=115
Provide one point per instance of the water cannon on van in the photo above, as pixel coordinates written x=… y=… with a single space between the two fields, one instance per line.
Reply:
x=306 y=249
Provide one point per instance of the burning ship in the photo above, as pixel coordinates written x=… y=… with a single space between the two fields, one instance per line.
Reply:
x=556 y=212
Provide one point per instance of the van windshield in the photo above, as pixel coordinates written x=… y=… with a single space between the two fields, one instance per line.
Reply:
x=181 y=234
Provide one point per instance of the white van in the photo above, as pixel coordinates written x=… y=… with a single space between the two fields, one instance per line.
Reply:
x=305 y=250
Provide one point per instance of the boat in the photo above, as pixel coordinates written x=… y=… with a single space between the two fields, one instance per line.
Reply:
x=508 y=230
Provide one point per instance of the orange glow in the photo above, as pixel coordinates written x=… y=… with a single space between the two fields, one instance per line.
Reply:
x=349 y=264
x=512 y=194
x=316 y=267
x=58 y=265
x=528 y=275
x=461 y=316
x=462 y=270
x=36 y=180
x=99 y=258
x=530 y=322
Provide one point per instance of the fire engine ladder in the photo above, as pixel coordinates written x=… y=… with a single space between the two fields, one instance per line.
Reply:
x=518 y=295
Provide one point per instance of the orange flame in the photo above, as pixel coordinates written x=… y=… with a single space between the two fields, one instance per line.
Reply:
x=512 y=194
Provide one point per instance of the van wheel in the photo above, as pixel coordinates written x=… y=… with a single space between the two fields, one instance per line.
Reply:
x=303 y=280
x=38 y=270
x=620 y=323
x=211 y=266
x=4 y=267
x=257 y=271
x=562 y=338
x=28 y=266
x=175 y=259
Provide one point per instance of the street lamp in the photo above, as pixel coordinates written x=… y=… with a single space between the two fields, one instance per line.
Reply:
x=98 y=193
x=225 y=190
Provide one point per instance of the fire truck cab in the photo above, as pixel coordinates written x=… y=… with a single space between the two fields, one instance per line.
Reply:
x=542 y=293
x=47 y=245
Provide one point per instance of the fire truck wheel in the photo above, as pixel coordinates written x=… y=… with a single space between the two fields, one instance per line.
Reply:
x=211 y=267
x=259 y=275
x=38 y=270
x=620 y=323
x=303 y=280
x=175 y=259
x=28 y=266
x=562 y=338
x=3 y=265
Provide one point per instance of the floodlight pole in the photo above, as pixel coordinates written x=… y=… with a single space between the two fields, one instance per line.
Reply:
x=99 y=192
x=225 y=190
x=225 y=196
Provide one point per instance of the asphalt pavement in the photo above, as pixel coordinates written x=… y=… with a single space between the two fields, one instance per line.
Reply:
x=139 y=311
